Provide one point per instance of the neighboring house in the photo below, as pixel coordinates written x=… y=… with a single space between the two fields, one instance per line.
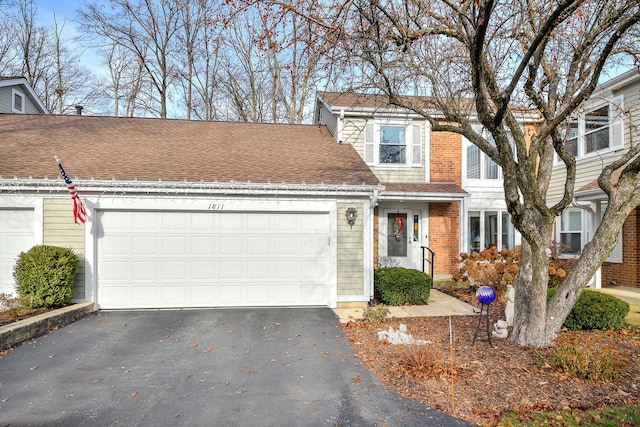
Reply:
x=601 y=132
x=17 y=96
x=192 y=213
x=445 y=192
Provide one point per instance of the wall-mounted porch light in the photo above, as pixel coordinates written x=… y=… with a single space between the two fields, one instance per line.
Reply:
x=351 y=215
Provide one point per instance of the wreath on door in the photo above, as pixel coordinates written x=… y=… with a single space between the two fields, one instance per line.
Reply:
x=397 y=227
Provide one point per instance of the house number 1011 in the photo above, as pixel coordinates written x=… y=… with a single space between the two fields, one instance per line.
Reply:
x=216 y=206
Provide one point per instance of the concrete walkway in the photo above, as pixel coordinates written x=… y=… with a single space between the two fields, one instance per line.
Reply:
x=625 y=293
x=439 y=304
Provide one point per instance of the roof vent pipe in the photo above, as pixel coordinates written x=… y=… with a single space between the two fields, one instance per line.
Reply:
x=78 y=110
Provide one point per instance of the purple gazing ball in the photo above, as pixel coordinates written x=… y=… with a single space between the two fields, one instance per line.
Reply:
x=486 y=294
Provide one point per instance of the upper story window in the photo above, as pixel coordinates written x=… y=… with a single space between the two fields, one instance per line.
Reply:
x=479 y=165
x=596 y=130
x=17 y=101
x=393 y=144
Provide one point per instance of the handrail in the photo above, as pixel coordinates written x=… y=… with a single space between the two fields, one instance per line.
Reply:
x=430 y=260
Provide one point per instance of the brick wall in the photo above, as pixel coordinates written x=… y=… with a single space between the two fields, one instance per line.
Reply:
x=444 y=235
x=446 y=157
x=627 y=273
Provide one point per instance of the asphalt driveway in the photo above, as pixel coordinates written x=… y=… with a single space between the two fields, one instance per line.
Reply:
x=226 y=367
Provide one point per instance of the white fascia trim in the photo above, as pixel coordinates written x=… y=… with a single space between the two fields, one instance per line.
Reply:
x=185 y=187
x=427 y=197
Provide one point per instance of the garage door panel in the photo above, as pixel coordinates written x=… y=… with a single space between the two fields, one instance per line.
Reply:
x=232 y=295
x=174 y=245
x=16 y=235
x=231 y=270
x=143 y=295
x=116 y=245
x=259 y=270
x=203 y=270
x=114 y=271
x=259 y=295
x=204 y=259
x=314 y=294
x=174 y=270
x=203 y=245
x=145 y=270
x=143 y=245
x=175 y=296
x=312 y=246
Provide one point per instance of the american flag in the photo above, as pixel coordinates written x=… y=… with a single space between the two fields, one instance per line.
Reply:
x=79 y=213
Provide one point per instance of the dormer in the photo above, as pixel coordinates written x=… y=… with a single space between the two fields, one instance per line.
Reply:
x=18 y=97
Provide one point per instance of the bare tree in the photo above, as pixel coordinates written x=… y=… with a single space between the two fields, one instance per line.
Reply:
x=485 y=60
x=148 y=30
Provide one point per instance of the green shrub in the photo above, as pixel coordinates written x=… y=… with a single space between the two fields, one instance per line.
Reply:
x=595 y=310
x=399 y=286
x=376 y=314
x=45 y=275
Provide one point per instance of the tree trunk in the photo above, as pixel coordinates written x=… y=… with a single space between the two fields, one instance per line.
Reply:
x=529 y=319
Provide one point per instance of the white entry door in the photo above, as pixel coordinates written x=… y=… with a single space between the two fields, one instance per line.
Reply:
x=401 y=237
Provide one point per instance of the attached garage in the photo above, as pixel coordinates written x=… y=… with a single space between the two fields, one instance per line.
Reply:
x=162 y=259
x=189 y=213
x=16 y=235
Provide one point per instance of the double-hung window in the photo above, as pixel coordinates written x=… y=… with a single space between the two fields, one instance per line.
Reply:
x=479 y=165
x=597 y=129
x=571 y=231
x=393 y=143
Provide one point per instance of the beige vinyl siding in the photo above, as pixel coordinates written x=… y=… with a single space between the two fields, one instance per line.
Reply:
x=353 y=133
x=350 y=252
x=60 y=230
x=588 y=170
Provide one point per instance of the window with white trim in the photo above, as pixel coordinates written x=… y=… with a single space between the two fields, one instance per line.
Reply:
x=571 y=231
x=17 y=101
x=574 y=233
x=479 y=165
x=392 y=143
x=597 y=129
x=490 y=228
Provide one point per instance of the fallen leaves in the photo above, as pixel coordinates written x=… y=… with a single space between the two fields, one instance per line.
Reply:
x=492 y=380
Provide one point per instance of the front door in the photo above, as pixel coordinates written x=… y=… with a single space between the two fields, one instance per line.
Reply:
x=401 y=237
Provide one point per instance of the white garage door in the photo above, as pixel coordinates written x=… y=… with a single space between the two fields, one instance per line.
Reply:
x=16 y=235
x=212 y=259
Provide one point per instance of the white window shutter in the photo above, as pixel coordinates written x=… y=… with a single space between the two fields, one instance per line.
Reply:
x=616 y=252
x=368 y=143
x=617 y=123
x=417 y=145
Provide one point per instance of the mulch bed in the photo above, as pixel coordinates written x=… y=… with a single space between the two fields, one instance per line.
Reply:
x=487 y=381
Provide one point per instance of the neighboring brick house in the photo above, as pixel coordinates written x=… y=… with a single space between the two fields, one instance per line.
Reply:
x=446 y=192
x=600 y=133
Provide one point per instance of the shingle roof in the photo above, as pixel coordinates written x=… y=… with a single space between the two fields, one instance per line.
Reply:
x=424 y=187
x=367 y=101
x=175 y=150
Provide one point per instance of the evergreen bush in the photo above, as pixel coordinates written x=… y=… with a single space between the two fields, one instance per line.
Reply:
x=595 y=310
x=46 y=275
x=399 y=286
